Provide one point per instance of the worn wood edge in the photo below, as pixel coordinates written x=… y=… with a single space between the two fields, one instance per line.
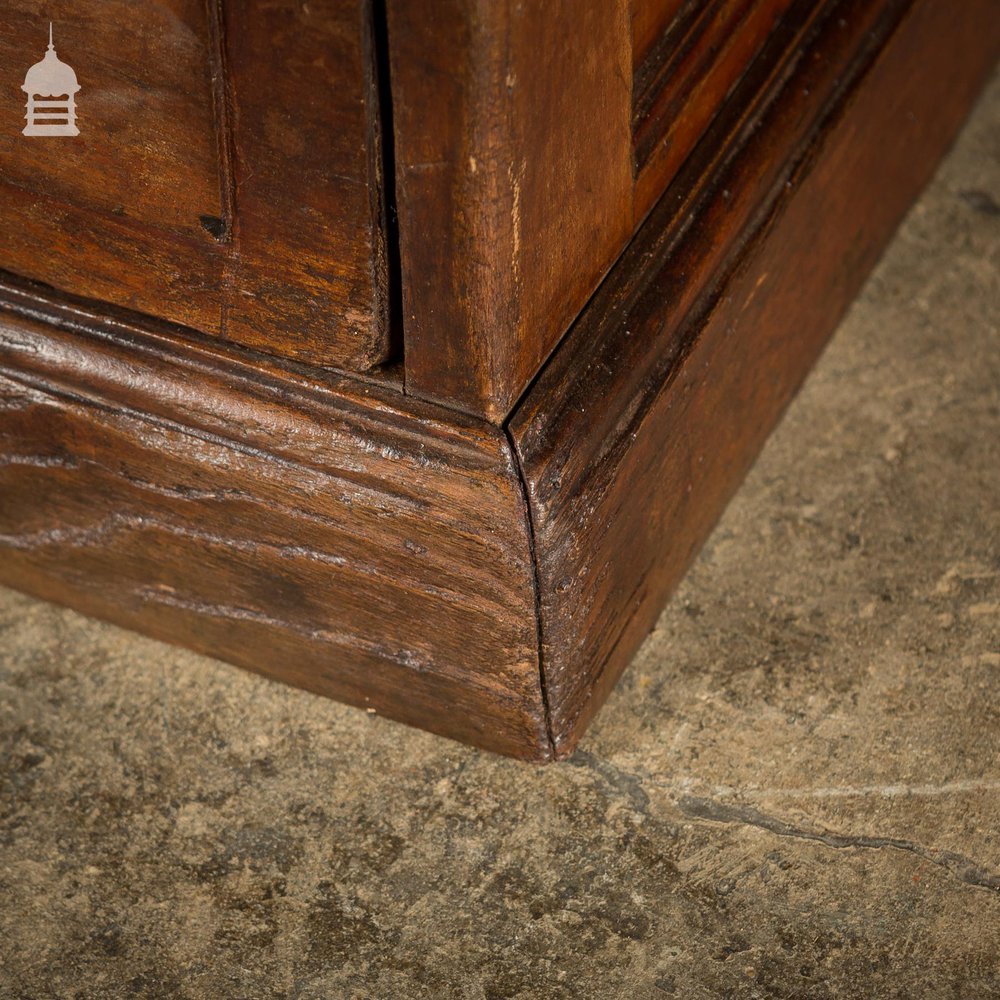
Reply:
x=643 y=357
x=508 y=218
x=20 y=296
x=448 y=485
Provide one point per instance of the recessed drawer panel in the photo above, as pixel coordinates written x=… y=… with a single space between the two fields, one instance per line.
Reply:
x=225 y=175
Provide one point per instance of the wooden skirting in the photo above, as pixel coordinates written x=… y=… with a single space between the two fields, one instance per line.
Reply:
x=333 y=534
x=636 y=436
x=484 y=582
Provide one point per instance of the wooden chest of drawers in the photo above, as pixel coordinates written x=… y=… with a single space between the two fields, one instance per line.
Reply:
x=409 y=352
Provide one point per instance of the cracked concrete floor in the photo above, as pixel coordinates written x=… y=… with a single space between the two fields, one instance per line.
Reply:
x=794 y=792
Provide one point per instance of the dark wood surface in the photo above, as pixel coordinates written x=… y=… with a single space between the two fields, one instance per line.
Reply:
x=683 y=73
x=513 y=179
x=531 y=140
x=649 y=415
x=486 y=582
x=227 y=175
x=323 y=531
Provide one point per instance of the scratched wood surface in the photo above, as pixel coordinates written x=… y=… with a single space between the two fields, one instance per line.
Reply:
x=530 y=142
x=514 y=183
x=641 y=428
x=227 y=175
x=317 y=531
x=489 y=583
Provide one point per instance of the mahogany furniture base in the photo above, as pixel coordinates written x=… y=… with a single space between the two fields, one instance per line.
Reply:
x=486 y=582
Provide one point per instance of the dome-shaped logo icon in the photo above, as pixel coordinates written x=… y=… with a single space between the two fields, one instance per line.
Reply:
x=51 y=87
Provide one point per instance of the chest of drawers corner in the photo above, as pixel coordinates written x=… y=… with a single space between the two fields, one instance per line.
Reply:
x=408 y=352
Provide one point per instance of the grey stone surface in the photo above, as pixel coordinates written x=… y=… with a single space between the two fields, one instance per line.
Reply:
x=794 y=792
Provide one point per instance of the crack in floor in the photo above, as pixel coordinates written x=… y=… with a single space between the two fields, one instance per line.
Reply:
x=625 y=782
x=960 y=866
x=632 y=786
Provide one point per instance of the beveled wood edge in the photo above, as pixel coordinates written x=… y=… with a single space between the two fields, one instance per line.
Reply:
x=547 y=402
x=636 y=346
x=72 y=353
x=32 y=299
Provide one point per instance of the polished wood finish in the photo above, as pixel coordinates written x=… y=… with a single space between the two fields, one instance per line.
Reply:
x=644 y=424
x=483 y=578
x=228 y=174
x=513 y=180
x=324 y=531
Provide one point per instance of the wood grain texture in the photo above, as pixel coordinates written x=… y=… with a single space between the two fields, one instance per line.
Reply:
x=226 y=176
x=651 y=19
x=513 y=180
x=485 y=582
x=510 y=125
x=328 y=533
x=681 y=80
x=640 y=429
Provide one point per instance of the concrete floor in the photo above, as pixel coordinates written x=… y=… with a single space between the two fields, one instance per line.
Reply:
x=794 y=792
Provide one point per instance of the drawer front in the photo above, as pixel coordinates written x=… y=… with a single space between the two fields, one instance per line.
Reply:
x=226 y=173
